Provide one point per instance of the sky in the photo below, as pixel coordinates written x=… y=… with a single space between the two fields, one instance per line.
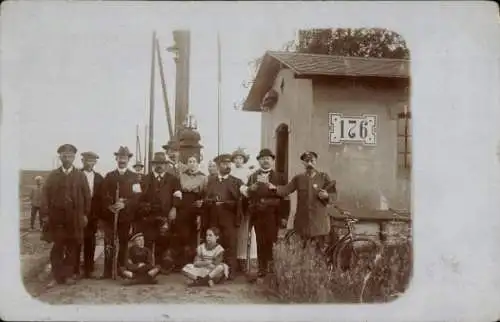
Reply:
x=83 y=77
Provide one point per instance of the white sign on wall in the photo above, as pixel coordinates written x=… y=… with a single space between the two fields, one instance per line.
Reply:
x=352 y=129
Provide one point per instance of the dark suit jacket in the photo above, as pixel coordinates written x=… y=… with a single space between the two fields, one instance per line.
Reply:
x=262 y=191
x=163 y=194
x=125 y=182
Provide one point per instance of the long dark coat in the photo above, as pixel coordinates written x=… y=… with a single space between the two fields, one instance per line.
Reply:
x=311 y=216
x=52 y=203
x=108 y=189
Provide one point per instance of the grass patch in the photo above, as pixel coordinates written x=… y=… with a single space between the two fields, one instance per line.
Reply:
x=301 y=275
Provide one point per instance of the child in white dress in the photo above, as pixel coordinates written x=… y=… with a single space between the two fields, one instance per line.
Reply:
x=208 y=267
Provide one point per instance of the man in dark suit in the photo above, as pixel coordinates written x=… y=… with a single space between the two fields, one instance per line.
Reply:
x=157 y=206
x=94 y=181
x=64 y=205
x=124 y=184
x=224 y=199
x=267 y=209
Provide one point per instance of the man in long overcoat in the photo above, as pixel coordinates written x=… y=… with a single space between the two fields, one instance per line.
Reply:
x=315 y=191
x=65 y=205
x=157 y=205
x=94 y=181
x=124 y=184
x=268 y=211
x=224 y=202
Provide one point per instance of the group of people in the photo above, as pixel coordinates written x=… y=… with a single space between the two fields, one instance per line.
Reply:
x=176 y=218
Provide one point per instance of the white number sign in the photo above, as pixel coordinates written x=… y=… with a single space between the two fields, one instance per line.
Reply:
x=355 y=129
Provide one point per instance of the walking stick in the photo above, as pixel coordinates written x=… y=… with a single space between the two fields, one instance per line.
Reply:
x=114 y=271
x=249 y=241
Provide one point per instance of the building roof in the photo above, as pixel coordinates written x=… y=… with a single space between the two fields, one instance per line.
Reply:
x=309 y=65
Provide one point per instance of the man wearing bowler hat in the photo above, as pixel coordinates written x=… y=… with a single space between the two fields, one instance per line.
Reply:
x=94 y=181
x=223 y=204
x=120 y=192
x=157 y=206
x=267 y=209
x=65 y=204
x=315 y=191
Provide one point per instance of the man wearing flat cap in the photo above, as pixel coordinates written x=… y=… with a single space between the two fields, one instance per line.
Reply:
x=267 y=209
x=35 y=197
x=94 y=181
x=158 y=205
x=223 y=204
x=65 y=203
x=120 y=193
x=315 y=191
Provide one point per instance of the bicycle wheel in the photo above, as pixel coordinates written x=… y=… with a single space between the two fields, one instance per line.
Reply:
x=359 y=252
x=289 y=236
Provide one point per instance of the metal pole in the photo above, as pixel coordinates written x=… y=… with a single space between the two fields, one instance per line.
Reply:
x=219 y=81
x=151 y=103
x=164 y=90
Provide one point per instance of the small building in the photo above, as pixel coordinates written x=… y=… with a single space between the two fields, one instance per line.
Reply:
x=354 y=112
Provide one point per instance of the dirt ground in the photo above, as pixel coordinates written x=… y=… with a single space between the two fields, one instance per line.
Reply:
x=171 y=289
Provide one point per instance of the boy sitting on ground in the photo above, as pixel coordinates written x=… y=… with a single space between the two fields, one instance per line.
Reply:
x=208 y=267
x=140 y=268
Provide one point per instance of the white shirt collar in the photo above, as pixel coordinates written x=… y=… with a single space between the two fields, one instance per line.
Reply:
x=68 y=170
x=223 y=177
x=121 y=171
x=265 y=171
x=156 y=174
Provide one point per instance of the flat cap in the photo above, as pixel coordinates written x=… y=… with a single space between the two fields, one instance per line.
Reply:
x=135 y=236
x=308 y=155
x=223 y=158
x=89 y=155
x=67 y=148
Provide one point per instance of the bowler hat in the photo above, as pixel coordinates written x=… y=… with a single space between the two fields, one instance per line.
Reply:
x=225 y=157
x=159 y=158
x=240 y=152
x=89 y=155
x=67 y=148
x=123 y=151
x=266 y=153
x=308 y=155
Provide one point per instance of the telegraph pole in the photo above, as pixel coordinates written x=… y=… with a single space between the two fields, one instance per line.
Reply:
x=152 y=104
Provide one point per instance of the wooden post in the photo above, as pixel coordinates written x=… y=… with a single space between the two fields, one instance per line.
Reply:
x=152 y=104
x=219 y=81
x=164 y=90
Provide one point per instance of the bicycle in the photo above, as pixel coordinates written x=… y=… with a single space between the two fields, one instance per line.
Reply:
x=370 y=283
x=348 y=251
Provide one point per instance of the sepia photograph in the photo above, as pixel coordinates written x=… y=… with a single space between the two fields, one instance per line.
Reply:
x=188 y=165
x=312 y=206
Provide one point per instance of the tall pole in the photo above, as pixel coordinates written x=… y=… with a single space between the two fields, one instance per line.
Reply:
x=138 y=154
x=145 y=145
x=152 y=103
x=164 y=90
x=219 y=81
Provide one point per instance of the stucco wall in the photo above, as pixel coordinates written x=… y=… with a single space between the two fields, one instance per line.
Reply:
x=362 y=172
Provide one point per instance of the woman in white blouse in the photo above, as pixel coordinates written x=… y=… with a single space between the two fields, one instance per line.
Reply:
x=242 y=172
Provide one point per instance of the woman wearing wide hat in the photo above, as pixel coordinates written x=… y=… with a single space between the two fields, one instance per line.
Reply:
x=242 y=172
